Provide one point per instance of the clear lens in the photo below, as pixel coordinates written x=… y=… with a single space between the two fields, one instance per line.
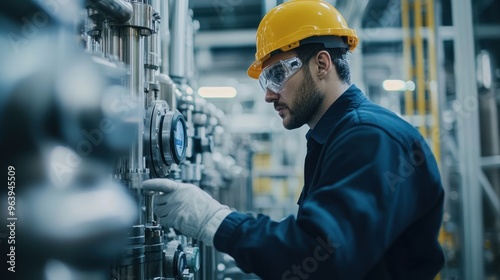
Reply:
x=274 y=76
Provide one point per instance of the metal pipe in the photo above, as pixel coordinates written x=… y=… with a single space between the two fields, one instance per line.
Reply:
x=116 y=45
x=149 y=205
x=192 y=27
x=442 y=99
x=152 y=60
x=178 y=46
x=168 y=90
x=468 y=140
x=164 y=37
x=93 y=28
x=133 y=56
x=208 y=267
x=110 y=41
x=490 y=135
x=118 y=10
x=157 y=8
x=154 y=246
x=490 y=192
x=107 y=39
x=152 y=47
x=490 y=162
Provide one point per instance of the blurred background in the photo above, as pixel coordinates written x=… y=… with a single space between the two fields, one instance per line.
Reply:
x=97 y=96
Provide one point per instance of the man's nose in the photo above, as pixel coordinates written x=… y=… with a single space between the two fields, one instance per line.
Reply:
x=271 y=96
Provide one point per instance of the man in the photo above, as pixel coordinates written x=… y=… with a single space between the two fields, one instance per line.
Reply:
x=371 y=206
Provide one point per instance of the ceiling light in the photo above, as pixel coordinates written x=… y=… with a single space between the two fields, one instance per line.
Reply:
x=217 y=92
x=398 y=85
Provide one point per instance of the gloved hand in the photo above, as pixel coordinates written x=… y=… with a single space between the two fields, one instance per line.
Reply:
x=187 y=208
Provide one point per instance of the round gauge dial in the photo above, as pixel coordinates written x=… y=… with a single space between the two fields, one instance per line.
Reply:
x=173 y=137
x=179 y=138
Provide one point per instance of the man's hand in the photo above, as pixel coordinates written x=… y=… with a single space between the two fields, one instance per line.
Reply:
x=187 y=208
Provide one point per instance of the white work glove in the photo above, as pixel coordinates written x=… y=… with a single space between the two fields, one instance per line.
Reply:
x=187 y=208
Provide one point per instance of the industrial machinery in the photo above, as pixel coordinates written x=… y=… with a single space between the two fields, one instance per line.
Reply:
x=177 y=127
x=104 y=94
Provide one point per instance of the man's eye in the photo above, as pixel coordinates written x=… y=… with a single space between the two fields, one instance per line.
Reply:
x=278 y=75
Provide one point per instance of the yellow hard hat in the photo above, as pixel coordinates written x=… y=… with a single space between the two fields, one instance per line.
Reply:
x=287 y=25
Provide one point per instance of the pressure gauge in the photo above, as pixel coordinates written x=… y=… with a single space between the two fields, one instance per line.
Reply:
x=165 y=138
x=193 y=258
x=173 y=137
x=180 y=137
x=174 y=260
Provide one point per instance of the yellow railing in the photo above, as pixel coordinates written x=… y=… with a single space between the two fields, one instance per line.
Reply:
x=433 y=85
x=426 y=81
x=415 y=56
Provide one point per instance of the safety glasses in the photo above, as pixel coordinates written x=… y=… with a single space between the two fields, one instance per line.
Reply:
x=274 y=76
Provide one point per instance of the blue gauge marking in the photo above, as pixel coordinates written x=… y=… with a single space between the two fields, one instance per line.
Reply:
x=179 y=138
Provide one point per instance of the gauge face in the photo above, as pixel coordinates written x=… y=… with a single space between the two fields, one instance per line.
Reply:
x=173 y=138
x=196 y=262
x=179 y=137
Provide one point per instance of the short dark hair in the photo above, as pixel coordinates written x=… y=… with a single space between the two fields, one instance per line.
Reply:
x=338 y=55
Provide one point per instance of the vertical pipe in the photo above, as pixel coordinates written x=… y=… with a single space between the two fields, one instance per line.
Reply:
x=468 y=139
x=446 y=237
x=90 y=42
x=111 y=41
x=208 y=267
x=152 y=49
x=190 y=67
x=420 y=75
x=442 y=99
x=149 y=203
x=151 y=65
x=116 y=44
x=133 y=56
x=178 y=43
x=408 y=70
x=152 y=60
x=488 y=116
x=433 y=86
x=157 y=7
x=165 y=37
x=107 y=39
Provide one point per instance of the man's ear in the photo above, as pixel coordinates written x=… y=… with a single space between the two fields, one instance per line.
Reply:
x=324 y=64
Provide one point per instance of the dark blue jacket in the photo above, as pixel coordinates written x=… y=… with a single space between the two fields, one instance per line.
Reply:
x=371 y=206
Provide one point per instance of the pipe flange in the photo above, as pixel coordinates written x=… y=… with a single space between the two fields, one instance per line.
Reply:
x=165 y=138
x=155 y=114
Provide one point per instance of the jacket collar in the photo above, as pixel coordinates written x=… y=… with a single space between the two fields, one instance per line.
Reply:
x=348 y=100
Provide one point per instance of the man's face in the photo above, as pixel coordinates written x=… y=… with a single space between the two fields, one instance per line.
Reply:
x=299 y=99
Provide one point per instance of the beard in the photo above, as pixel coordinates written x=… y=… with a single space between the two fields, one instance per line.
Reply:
x=308 y=99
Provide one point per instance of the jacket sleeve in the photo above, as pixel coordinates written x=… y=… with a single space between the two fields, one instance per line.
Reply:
x=371 y=188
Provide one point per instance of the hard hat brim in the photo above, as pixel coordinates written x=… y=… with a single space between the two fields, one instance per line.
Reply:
x=254 y=70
